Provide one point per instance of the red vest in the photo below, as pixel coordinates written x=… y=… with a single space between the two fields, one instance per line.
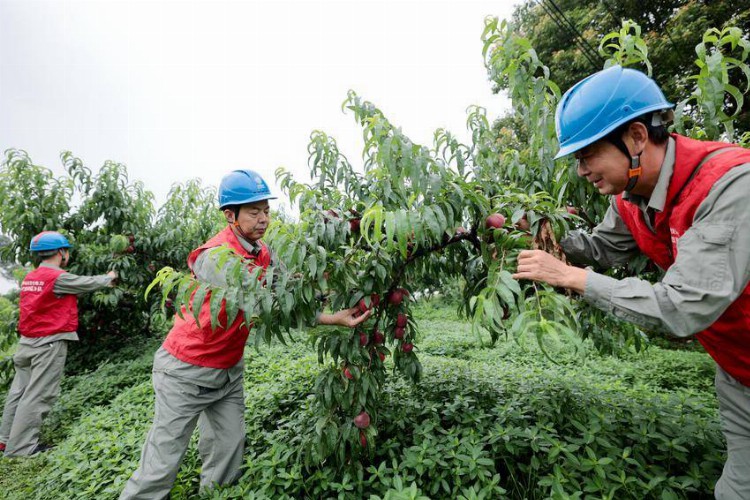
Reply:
x=42 y=312
x=728 y=339
x=203 y=346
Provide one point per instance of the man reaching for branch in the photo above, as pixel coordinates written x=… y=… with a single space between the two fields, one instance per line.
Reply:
x=682 y=203
x=198 y=370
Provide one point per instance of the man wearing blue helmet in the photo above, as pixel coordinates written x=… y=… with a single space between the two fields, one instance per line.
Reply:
x=48 y=321
x=682 y=203
x=198 y=370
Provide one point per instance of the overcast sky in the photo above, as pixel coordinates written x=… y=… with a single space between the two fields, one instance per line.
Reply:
x=178 y=89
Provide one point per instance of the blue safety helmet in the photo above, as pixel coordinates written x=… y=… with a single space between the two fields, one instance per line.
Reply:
x=600 y=103
x=240 y=187
x=48 y=241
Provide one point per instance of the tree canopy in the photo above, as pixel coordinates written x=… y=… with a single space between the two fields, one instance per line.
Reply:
x=670 y=29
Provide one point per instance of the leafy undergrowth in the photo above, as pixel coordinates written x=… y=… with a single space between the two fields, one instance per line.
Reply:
x=485 y=422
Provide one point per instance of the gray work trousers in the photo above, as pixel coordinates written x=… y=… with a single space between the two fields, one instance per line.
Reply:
x=220 y=414
x=734 y=409
x=34 y=390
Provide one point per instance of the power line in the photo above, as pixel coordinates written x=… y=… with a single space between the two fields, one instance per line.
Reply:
x=616 y=22
x=554 y=16
x=569 y=28
x=593 y=53
x=564 y=23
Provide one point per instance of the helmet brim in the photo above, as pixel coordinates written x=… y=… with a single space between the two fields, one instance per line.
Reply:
x=245 y=201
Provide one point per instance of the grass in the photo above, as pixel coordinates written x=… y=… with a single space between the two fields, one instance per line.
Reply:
x=100 y=419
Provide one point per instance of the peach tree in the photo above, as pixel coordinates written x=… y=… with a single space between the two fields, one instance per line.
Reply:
x=368 y=238
x=113 y=224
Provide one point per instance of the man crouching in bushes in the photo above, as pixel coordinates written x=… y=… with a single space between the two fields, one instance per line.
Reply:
x=198 y=370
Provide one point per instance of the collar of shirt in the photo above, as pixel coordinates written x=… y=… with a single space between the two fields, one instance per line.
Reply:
x=659 y=196
x=253 y=247
x=47 y=264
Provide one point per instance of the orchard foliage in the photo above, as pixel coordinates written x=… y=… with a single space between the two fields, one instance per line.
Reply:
x=371 y=236
x=113 y=225
x=8 y=322
x=482 y=423
x=669 y=29
x=716 y=102
x=413 y=212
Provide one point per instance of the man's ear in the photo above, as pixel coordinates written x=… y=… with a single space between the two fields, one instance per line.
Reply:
x=229 y=215
x=637 y=134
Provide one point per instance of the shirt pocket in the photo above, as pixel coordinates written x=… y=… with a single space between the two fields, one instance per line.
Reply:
x=703 y=255
x=716 y=234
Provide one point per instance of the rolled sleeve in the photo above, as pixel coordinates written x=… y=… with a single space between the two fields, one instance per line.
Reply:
x=207 y=269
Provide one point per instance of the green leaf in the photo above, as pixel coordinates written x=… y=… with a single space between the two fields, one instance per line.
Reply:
x=197 y=302
x=232 y=305
x=216 y=301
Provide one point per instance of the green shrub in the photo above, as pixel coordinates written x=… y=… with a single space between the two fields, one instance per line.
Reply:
x=524 y=432
x=81 y=393
x=500 y=422
x=8 y=339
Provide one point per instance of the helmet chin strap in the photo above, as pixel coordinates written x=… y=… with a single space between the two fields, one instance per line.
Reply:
x=635 y=170
x=236 y=225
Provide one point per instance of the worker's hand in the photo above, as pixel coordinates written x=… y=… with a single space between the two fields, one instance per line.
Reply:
x=537 y=265
x=113 y=275
x=345 y=317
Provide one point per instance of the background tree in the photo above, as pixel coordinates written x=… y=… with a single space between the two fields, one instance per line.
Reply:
x=113 y=225
x=670 y=30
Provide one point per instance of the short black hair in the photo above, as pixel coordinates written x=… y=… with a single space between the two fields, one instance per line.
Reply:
x=39 y=257
x=234 y=208
x=657 y=133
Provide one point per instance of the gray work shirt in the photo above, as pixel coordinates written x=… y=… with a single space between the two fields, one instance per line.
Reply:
x=68 y=284
x=711 y=270
x=206 y=269
x=206 y=266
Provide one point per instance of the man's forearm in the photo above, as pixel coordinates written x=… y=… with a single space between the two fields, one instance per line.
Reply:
x=71 y=284
x=575 y=279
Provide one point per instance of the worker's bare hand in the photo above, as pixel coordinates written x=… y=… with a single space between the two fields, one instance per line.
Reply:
x=345 y=317
x=536 y=265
